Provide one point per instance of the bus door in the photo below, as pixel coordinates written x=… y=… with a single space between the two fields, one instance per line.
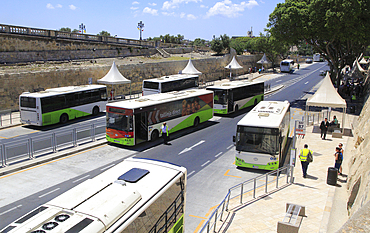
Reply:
x=230 y=101
x=141 y=127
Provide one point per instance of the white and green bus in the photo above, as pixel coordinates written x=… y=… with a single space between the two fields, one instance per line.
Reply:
x=58 y=105
x=134 y=121
x=232 y=96
x=262 y=136
x=136 y=195
x=176 y=82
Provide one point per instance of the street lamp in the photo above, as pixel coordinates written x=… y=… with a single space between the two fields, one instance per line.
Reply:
x=82 y=28
x=140 y=26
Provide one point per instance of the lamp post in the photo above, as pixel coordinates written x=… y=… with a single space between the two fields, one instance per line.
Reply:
x=82 y=28
x=140 y=26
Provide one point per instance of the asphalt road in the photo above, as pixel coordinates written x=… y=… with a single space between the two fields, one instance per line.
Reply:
x=206 y=151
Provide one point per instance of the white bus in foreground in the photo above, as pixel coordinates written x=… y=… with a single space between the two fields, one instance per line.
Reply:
x=137 y=195
x=232 y=96
x=261 y=136
x=58 y=105
x=176 y=82
x=287 y=66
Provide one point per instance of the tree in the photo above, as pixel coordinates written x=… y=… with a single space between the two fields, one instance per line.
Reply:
x=336 y=29
x=66 y=29
x=75 y=31
x=198 y=42
x=240 y=44
x=104 y=33
x=216 y=45
x=225 y=40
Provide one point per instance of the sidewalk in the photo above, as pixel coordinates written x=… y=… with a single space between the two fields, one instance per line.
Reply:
x=325 y=204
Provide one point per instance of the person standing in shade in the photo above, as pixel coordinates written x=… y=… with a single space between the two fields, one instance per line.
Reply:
x=324 y=128
x=165 y=133
x=303 y=154
x=339 y=157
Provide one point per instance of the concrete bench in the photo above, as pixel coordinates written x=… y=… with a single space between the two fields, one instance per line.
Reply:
x=290 y=224
x=331 y=128
x=337 y=133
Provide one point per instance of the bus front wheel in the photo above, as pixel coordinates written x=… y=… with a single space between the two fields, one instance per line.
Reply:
x=236 y=108
x=196 y=121
x=95 y=111
x=155 y=135
x=63 y=118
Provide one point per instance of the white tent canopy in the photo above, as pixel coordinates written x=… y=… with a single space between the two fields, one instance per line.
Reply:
x=327 y=96
x=264 y=60
x=190 y=69
x=113 y=77
x=234 y=64
x=363 y=61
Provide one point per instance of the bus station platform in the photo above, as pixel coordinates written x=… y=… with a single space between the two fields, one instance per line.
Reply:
x=325 y=205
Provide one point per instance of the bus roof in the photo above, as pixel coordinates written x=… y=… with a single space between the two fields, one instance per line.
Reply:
x=267 y=114
x=233 y=84
x=149 y=100
x=171 y=78
x=287 y=60
x=60 y=90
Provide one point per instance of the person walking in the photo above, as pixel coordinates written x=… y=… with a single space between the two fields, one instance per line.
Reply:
x=340 y=156
x=165 y=133
x=303 y=155
x=324 y=128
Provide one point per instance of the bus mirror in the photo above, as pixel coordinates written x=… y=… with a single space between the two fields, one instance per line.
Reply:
x=233 y=138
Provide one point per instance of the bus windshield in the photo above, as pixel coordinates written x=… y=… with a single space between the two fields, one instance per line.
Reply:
x=119 y=122
x=220 y=96
x=257 y=140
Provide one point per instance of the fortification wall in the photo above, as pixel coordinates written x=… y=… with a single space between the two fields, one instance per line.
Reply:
x=13 y=84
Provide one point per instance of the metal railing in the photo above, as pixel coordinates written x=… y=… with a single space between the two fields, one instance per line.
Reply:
x=32 y=146
x=7 y=117
x=248 y=191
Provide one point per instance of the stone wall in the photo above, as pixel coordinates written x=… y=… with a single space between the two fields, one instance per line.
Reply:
x=13 y=84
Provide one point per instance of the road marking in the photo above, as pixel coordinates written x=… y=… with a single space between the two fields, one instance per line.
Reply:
x=218 y=154
x=190 y=148
x=306 y=83
x=105 y=168
x=43 y=195
x=230 y=146
x=18 y=135
x=197 y=216
x=189 y=174
x=7 y=211
x=226 y=174
x=278 y=81
x=205 y=163
x=81 y=179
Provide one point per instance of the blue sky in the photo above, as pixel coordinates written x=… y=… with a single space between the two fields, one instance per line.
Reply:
x=191 y=18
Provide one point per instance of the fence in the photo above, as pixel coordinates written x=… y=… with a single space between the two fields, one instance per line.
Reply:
x=32 y=146
x=7 y=117
x=248 y=191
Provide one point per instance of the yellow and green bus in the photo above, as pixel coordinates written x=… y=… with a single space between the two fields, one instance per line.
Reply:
x=235 y=95
x=61 y=104
x=262 y=136
x=131 y=122
x=136 y=195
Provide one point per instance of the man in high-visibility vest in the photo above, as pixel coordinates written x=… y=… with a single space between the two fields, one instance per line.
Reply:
x=165 y=132
x=303 y=154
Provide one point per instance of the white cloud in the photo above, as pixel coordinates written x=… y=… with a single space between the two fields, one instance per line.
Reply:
x=49 y=6
x=190 y=17
x=72 y=7
x=150 y=11
x=228 y=9
x=134 y=8
x=59 y=6
x=182 y=15
x=203 y=6
x=168 y=14
x=167 y=5
x=135 y=2
x=152 y=4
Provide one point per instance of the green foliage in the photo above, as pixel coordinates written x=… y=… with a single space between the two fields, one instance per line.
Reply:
x=169 y=39
x=103 y=33
x=198 y=42
x=241 y=44
x=75 y=30
x=66 y=29
x=216 y=45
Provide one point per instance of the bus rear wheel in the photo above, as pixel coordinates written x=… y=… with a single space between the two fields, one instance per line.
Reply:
x=255 y=101
x=155 y=135
x=63 y=118
x=196 y=121
x=95 y=111
x=236 y=108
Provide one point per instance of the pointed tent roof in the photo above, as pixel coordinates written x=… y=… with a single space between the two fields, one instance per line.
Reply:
x=233 y=64
x=326 y=96
x=113 y=76
x=363 y=61
x=190 y=69
x=264 y=60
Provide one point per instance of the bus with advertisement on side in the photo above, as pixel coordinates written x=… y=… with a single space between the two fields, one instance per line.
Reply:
x=235 y=95
x=176 y=82
x=135 y=121
x=137 y=195
x=61 y=104
x=261 y=139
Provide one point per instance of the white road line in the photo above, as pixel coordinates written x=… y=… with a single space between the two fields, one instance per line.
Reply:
x=204 y=164
x=104 y=168
x=81 y=179
x=306 y=83
x=43 y=195
x=189 y=174
x=278 y=81
x=7 y=211
x=218 y=154
x=230 y=146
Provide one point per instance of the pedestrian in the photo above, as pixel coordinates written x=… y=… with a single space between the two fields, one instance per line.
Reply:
x=338 y=160
x=303 y=154
x=341 y=151
x=324 y=128
x=298 y=66
x=165 y=133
